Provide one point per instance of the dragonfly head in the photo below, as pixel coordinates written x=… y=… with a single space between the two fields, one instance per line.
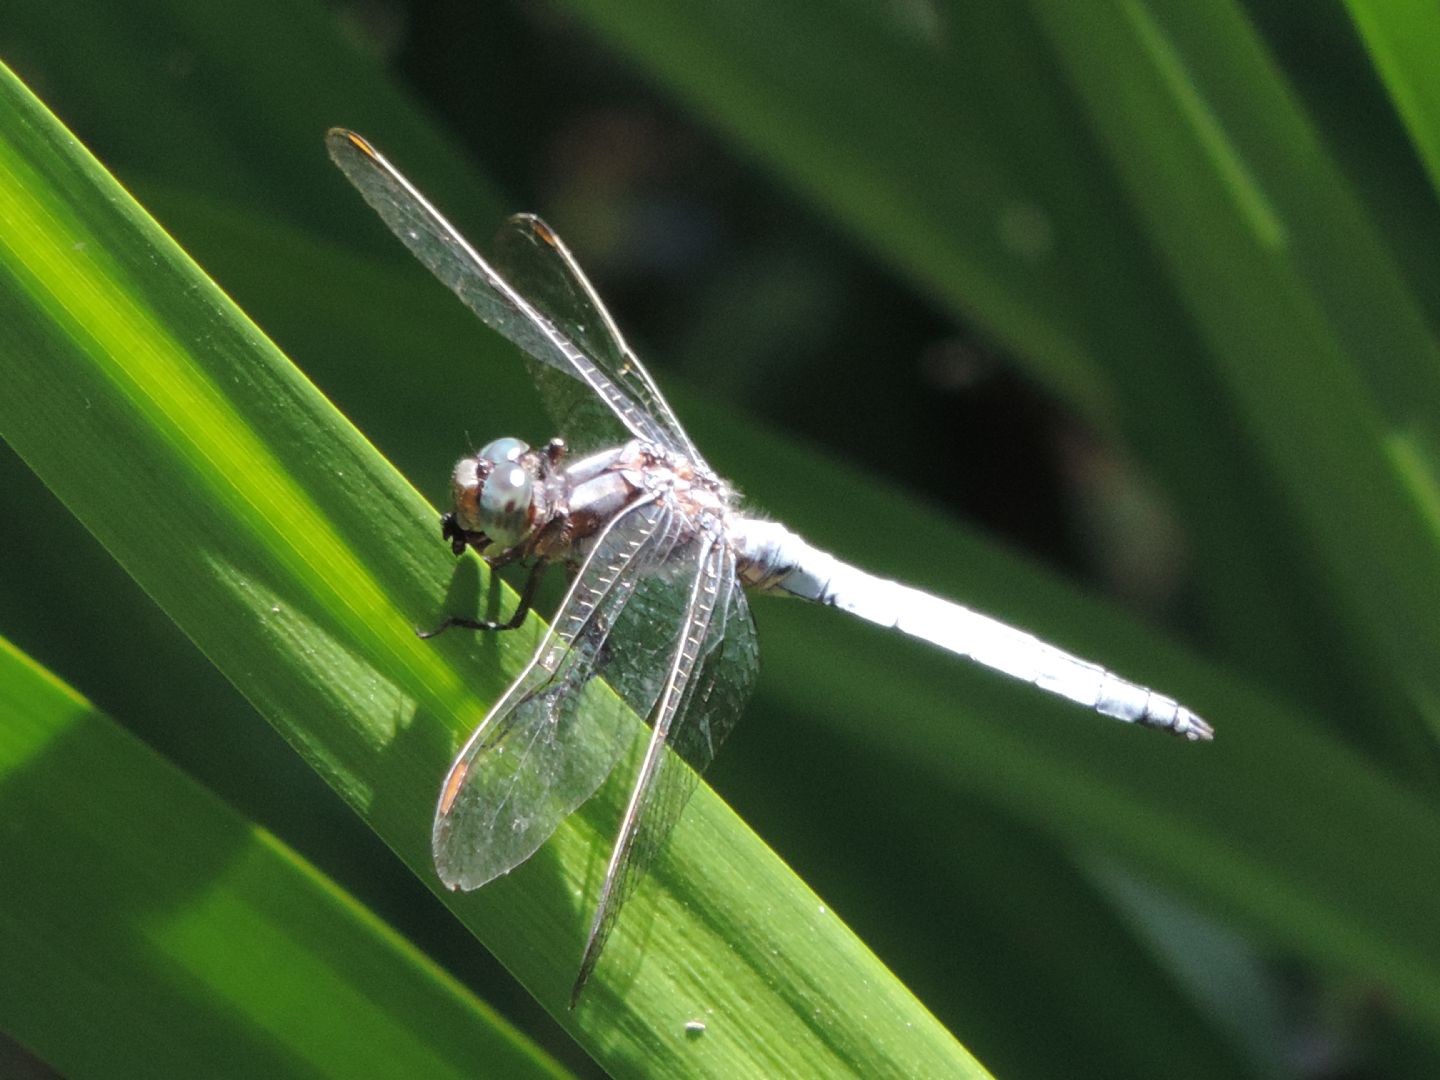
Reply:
x=496 y=494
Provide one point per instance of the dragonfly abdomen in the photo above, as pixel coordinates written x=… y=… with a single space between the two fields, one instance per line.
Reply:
x=774 y=559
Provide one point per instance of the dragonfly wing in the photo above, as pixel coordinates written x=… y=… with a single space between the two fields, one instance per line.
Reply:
x=450 y=257
x=711 y=669
x=537 y=263
x=554 y=736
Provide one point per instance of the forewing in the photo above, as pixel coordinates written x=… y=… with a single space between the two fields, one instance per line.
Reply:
x=555 y=735
x=449 y=256
x=536 y=262
x=710 y=673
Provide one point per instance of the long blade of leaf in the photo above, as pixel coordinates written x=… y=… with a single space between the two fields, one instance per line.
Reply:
x=123 y=871
x=299 y=562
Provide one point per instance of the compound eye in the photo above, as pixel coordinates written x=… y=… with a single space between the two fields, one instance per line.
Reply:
x=503 y=450
x=494 y=490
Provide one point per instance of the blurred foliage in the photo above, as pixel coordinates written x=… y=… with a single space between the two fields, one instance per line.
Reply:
x=237 y=956
x=1145 y=289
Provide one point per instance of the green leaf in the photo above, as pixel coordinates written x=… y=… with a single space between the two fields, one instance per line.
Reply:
x=299 y=562
x=149 y=930
x=1401 y=41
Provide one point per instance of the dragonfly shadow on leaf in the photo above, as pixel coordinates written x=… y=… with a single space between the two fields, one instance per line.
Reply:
x=472 y=593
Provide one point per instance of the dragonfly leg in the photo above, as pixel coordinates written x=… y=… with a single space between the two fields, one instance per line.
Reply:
x=527 y=596
x=460 y=539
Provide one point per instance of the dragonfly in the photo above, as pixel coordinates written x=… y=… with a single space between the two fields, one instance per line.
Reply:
x=661 y=555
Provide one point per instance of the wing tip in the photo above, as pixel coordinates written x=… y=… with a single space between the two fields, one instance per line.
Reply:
x=582 y=977
x=340 y=138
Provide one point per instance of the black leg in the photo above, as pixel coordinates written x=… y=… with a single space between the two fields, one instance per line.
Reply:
x=460 y=539
x=521 y=610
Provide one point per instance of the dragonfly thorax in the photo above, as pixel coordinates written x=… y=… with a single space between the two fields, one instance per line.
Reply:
x=498 y=493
